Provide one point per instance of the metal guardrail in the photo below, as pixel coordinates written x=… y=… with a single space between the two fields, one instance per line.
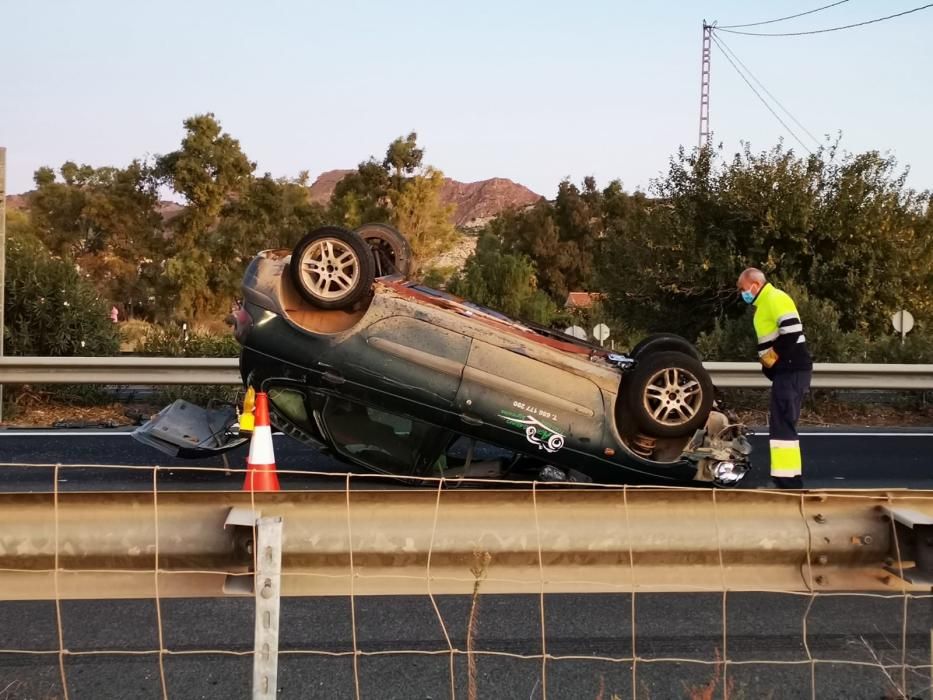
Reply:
x=119 y=370
x=547 y=540
x=829 y=375
x=167 y=370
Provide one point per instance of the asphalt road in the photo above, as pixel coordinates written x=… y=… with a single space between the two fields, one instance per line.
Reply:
x=758 y=627
x=866 y=458
x=406 y=651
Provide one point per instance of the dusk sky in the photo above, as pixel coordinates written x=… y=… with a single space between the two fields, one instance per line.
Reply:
x=531 y=91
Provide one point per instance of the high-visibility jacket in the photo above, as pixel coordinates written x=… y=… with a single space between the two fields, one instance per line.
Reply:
x=780 y=333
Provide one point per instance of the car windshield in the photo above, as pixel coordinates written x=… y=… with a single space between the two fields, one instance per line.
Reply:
x=385 y=441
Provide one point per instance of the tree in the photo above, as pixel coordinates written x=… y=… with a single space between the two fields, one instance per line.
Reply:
x=400 y=191
x=361 y=196
x=503 y=281
x=423 y=217
x=209 y=170
x=271 y=213
x=562 y=238
x=103 y=218
x=844 y=226
x=403 y=158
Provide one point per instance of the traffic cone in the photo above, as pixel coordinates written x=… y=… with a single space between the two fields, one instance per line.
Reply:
x=260 y=464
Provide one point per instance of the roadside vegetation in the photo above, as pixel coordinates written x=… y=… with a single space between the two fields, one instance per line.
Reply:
x=841 y=231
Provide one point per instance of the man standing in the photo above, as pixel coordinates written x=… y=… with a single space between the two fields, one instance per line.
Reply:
x=785 y=360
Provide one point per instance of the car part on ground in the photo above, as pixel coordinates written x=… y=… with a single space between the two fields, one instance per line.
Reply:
x=332 y=268
x=185 y=430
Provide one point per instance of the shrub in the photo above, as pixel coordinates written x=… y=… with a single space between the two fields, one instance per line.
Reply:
x=50 y=310
x=174 y=341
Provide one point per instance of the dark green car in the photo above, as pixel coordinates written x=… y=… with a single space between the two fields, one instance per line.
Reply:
x=394 y=377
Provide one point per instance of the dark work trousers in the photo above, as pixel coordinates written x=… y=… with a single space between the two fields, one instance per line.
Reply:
x=787 y=391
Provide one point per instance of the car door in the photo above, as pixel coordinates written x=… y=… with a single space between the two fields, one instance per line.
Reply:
x=514 y=399
x=416 y=360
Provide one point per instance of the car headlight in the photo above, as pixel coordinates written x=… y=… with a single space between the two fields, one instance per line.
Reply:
x=727 y=473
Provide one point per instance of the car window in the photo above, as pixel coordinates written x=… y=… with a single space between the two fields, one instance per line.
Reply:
x=384 y=441
x=291 y=403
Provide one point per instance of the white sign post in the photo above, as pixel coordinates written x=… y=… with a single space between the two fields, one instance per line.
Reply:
x=601 y=332
x=576 y=332
x=903 y=322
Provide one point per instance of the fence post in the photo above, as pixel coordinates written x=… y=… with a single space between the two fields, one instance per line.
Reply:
x=2 y=256
x=268 y=596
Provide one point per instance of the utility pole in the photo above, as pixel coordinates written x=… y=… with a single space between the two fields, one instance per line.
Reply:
x=704 y=85
x=2 y=255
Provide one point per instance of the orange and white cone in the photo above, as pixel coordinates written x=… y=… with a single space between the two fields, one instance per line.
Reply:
x=260 y=464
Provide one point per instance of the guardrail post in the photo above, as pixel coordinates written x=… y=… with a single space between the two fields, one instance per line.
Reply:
x=268 y=597
x=912 y=542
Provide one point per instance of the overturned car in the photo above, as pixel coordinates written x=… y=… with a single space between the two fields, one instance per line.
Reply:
x=397 y=378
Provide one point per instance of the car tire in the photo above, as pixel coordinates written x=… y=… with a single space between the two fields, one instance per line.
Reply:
x=391 y=250
x=657 y=342
x=332 y=267
x=669 y=394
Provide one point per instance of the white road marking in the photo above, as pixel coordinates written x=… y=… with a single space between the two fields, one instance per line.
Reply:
x=73 y=433
x=929 y=434
x=41 y=432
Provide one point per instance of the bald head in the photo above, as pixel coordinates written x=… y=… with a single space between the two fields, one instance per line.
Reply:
x=751 y=275
x=750 y=283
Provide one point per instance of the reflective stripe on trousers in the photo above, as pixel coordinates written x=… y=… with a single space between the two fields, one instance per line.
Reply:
x=785 y=458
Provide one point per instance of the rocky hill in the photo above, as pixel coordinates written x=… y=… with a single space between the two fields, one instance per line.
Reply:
x=475 y=202
x=15 y=202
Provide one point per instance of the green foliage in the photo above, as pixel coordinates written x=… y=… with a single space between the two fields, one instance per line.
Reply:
x=733 y=339
x=503 y=281
x=401 y=191
x=403 y=157
x=361 y=196
x=561 y=238
x=105 y=219
x=271 y=213
x=438 y=277
x=175 y=341
x=845 y=227
x=49 y=309
x=917 y=347
x=207 y=170
x=842 y=231
x=424 y=219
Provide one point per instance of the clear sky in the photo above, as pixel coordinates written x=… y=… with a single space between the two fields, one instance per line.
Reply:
x=529 y=90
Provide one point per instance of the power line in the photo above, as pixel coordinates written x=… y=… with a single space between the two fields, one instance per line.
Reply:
x=758 y=95
x=726 y=49
x=781 y=19
x=832 y=29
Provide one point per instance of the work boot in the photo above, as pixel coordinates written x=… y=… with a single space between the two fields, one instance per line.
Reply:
x=788 y=482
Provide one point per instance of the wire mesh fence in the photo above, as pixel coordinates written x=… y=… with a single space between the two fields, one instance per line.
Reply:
x=563 y=633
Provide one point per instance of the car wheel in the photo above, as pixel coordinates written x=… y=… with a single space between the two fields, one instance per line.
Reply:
x=670 y=394
x=391 y=250
x=332 y=268
x=656 y=342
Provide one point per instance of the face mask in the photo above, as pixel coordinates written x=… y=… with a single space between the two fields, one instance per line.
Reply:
x=747 y=296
